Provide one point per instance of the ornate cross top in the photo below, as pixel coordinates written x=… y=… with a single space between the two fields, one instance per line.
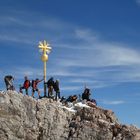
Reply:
x=44 y=46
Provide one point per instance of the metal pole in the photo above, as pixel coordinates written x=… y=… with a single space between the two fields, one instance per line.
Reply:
x=45 y=80
x=45 y=69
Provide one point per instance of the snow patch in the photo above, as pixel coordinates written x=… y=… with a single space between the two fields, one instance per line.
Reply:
x=72 y=108
x=80 y=104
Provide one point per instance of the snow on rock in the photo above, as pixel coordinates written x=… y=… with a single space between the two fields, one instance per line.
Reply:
x=71 y=109
x=80 y=104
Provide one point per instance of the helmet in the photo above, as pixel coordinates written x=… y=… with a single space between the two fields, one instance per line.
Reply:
x=26 y=77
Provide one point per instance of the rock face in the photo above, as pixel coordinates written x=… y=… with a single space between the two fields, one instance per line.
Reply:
x=25 y=118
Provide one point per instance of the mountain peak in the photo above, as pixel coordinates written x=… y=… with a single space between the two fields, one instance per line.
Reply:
x=25 y=118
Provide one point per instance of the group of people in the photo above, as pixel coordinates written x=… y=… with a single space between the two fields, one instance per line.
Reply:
x=74 y=98
x=51 y=86
x=27 y=84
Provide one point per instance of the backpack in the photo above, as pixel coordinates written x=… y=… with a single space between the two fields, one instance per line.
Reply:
x=74 y=98
x=50 y=82
x=27 y=84
x=33 y=81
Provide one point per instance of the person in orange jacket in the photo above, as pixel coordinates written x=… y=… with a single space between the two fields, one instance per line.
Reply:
x=26 y=85
x=35 y=88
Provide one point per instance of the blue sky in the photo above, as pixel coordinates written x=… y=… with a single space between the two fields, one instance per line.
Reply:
x=94 y=42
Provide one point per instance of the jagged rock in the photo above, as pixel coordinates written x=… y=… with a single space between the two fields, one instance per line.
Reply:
x=25 y=118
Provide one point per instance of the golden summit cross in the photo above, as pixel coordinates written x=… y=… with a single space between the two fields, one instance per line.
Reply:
x=44 y=46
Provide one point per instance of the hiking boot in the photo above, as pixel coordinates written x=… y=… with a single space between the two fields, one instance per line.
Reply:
x=40 y=97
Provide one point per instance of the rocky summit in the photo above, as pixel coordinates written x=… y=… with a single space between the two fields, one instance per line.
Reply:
x=25 y=118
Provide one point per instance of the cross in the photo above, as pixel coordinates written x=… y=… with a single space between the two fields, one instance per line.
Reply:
x=44 y=46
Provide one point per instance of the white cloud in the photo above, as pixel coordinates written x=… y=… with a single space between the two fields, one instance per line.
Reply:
x=30 y=28
x=86 y=34
x=138 y=2
x=117 y=102
x=115 y=63
x=17 y=39
x=71 y=88
x=103 y=55
x=92 y=52
x=11 y=20
x=61 y=71
x=88 y=82
x=19 y=73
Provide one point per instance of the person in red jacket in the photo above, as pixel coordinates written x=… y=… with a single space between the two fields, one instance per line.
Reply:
x=26 y=85
x=35 y=88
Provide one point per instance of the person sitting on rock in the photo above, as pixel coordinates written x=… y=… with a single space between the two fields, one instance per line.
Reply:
x=35 y=88
x=63 y=100
x=9 y=82
x=56 y=89
x=93 y=101
x=26 y=85
x=50 y=84
x=72 y=98
x=86 y=94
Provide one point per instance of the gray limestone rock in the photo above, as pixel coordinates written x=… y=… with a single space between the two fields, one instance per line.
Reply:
x=25 y=118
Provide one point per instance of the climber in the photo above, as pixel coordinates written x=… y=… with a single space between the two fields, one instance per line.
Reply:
x=93 y=101
x=86 y=94
x=9 y=82
x=63 y=100
x=26 y=85
x=35 y=88
x=50 y=84
x=56 y=89
x=72 y=98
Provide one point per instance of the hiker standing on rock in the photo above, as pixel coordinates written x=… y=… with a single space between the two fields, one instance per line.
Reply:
x=56 y=89
x=26 y=85
x=9 y=82
x=50 y=84
x=35 y=88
